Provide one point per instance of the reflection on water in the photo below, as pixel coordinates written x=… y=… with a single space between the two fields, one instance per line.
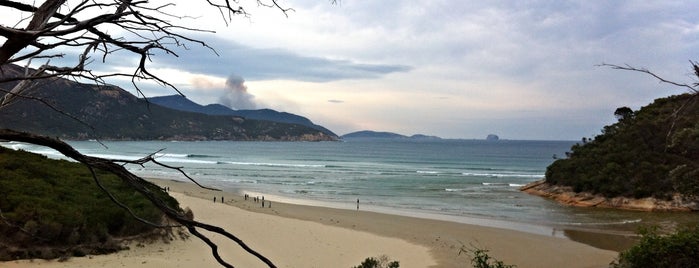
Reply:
x=621 y=236
x=603 y=240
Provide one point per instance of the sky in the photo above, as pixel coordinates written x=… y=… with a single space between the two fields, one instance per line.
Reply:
x=451 y=68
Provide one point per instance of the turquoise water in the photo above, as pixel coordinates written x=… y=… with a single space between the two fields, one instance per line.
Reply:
x=457 y=180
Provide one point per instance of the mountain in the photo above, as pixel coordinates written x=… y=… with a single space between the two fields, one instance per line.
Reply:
x=368 y=134
x=89 y=111
x=181 y=103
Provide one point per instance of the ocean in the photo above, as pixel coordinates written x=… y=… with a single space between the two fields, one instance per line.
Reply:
x=470 y=181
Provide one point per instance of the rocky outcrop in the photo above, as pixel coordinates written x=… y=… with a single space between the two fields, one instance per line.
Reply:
x=566 y=195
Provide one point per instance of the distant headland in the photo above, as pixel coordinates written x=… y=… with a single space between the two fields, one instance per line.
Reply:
x=369 y=134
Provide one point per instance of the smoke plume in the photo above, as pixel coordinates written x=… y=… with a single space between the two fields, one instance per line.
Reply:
x=236 y=95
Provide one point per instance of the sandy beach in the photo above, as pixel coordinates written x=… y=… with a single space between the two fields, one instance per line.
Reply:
x=308 y=236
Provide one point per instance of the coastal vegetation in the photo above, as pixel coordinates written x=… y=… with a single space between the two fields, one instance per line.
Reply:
x=378 y=262
x=53 y=208
x=652 y=152
x=481 y=259
x=679 y=249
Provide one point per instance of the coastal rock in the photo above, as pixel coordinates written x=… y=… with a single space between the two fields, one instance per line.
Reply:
x=566 y=195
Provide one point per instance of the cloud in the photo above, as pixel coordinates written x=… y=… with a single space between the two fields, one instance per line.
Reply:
x=271 y=64
x=523 y=69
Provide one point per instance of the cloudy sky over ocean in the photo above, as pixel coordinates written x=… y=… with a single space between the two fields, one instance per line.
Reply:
x=451 y=68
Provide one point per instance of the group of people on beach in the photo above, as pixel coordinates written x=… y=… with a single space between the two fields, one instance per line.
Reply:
x=257 y=199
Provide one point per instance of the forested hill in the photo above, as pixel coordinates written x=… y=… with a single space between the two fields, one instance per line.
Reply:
x=88 y=111
x=181 y=103
x=653 y=152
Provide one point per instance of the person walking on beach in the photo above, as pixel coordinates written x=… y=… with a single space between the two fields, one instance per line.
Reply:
x=357 y=204
x=214 y=199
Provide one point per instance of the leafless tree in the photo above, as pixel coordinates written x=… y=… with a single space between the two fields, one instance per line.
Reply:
x=98 y=30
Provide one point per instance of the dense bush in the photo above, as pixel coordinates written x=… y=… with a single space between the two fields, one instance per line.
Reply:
x=56 y=203
x=481 y=259
x=378 y=262
x=652 y=152
x=680 y=249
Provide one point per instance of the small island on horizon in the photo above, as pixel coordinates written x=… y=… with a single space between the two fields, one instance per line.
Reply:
x=370 y=134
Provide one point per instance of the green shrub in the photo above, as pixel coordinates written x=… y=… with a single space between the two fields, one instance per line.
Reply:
x=378 y=262
x=481 y=259
x=56 y=203
x=680 y=249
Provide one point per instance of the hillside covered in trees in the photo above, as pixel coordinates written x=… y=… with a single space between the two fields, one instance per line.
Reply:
x=81 y=111
x=653 y=152
x=53 y=208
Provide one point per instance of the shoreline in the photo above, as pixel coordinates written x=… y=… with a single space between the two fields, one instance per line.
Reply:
x=443 y=238
x=310 y=236
x=566 y=196
x=616 y=239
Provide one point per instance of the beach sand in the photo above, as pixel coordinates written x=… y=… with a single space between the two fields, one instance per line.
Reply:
x=308 y=236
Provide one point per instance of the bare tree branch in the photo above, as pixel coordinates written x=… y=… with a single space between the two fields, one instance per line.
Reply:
x=675 y=114
x=11 y=95
x=146 y=30
x=151 y=158
x=646 y=71
x=122 y=205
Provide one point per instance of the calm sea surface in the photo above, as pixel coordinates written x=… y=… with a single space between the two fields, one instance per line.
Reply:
x=473 y=181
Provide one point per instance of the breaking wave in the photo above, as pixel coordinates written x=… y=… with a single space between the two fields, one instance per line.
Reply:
x=503 y=175
x=272 y=164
